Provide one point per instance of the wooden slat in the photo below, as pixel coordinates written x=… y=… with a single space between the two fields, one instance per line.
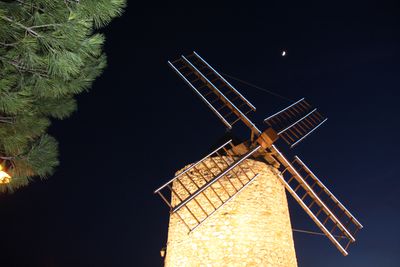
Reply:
x=189 y=195
x=329 y=223
x=335 y=202
x=295 y=122
x=199 y=74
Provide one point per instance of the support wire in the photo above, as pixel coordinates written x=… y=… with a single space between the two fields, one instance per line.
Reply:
x=258 y=87
x=314 y=233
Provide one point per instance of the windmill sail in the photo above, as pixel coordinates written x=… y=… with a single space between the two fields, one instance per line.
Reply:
x=219 y=95
x=296 y=122
x=202 y=188
x=334 y=220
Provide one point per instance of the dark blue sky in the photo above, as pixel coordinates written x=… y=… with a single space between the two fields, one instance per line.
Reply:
x=140 y=123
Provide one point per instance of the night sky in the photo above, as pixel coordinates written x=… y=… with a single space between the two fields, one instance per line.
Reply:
x=140 y=123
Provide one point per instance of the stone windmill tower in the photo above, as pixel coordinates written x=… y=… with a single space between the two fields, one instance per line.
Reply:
x=230 y=208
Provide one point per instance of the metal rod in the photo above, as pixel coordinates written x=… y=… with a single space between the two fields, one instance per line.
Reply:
x=226 y=151
x=285 y=139
x=176 y=194
x=291 y=111
x=200 y=95
x=304 y=196
x=221 y=184
x=209 y=201
x=201 y=207
x=244 y=172
x=211 y=186
x=199 y=172
x=226 y=82
x=304 y=126
x=205 y=165
x=205 y=195
x=165 y=200
x=303 y=106
x=348 y=244
x=291 y=178
x=309 y=122
x=308 y=105
x=333 y=229
x=231 y=197
x=313 y=233
x=191 y=213
x=223 y=187
x=327 y=190
x=313 y=217
x=234 y=187
x=297 y=109
x=288 y=134
x=308 y=133
x=245 y=119
x=284 y=109
x=179 y=216
x=287 y=128
x=307 y=187
x=320 y=209
x=293 y=133
x=190 y=167
x=215 y=179
x=216 y=164
x=190 y=178
x=297 y=187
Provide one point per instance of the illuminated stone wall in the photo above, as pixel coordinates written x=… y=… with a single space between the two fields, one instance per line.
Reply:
x=252 y=229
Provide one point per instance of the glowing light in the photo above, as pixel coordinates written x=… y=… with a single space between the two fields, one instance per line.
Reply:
x=4 y=177
x=283 y=53
x=162 y=252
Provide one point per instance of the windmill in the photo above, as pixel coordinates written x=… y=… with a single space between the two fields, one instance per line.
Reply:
x=200 y=190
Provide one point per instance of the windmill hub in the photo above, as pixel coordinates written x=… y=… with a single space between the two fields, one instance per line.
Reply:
x=267 y=138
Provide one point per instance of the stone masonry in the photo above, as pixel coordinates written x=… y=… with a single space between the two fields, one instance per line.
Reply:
x=252 y=229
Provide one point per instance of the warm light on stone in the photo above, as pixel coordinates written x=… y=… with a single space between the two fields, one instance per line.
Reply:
x=253 y=229
x=4 y=177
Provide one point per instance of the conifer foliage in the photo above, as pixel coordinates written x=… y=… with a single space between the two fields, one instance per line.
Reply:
x=49 y=52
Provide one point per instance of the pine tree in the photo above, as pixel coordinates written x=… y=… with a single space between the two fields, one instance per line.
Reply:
x=50 y=51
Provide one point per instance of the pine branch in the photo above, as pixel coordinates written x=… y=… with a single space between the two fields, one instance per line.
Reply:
x=8 y=44
x=28 y=29
x=15 y=63
x=46 y=25
x=30 y=5
x=43 y=65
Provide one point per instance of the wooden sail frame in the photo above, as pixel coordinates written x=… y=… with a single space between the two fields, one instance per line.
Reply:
x=293 y=124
